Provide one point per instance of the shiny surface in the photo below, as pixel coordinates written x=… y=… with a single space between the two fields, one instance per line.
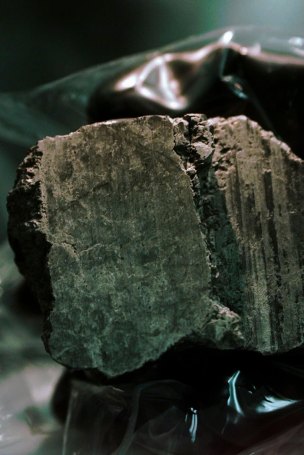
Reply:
x=228 y=76
x=245 y=411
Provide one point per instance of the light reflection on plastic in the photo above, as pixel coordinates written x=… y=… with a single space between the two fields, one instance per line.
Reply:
x=193 y=426
x=270 y=404
x=233 y=401
x=296 y=41
x=160 y=88
x=127 y=83
x=236 y=86
x=227 y=37
x=297 y=44
x=156 y=80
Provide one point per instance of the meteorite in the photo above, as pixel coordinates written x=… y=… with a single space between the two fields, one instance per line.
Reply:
x=142 y=234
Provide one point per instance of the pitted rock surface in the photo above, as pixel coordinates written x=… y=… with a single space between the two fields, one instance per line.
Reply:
x=142 y=234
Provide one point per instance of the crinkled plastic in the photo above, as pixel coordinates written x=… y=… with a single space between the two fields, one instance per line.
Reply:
x=218 y=403
x=244 y=406
x=235 y=72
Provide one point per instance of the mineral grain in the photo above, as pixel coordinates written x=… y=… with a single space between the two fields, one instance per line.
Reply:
x=138 y=235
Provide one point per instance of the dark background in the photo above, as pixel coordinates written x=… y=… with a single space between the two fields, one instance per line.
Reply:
x=41 y=40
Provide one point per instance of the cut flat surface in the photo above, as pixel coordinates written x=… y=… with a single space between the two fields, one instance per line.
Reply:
x=138 y=234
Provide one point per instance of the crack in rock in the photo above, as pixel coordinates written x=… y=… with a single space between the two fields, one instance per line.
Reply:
x=140 y=234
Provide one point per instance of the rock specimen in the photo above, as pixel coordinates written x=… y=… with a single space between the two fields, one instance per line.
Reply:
x=141 y=234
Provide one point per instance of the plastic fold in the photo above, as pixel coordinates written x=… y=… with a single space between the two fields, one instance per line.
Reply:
x=219 y=403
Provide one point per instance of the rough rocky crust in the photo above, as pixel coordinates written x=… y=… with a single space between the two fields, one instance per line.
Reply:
x=143 y=233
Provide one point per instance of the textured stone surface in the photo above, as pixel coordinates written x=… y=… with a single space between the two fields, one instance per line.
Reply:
x=249 y=197
x=139 y=234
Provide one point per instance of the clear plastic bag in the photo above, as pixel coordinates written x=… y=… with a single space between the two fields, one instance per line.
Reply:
x=219 y=406
x=27 y=375
x=245 y=406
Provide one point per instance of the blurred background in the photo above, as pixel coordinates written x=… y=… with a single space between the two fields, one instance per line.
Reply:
x=42 y=40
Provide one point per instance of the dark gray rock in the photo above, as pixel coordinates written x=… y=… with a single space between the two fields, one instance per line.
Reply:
x=249 y=192
x=140 y=234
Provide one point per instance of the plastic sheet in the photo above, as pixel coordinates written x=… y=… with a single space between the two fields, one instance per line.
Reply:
x=27 y=375
x=236 y=405
x=202 y=403
x=228 y=73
